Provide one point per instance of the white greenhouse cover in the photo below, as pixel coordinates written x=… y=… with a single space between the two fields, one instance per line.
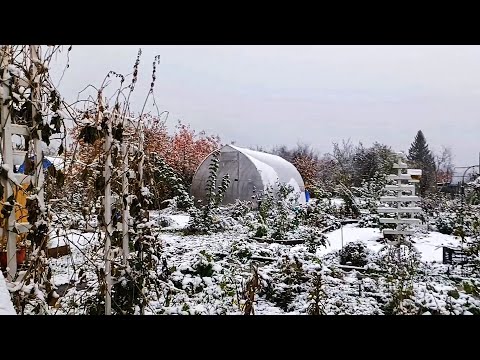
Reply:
x=273 y=168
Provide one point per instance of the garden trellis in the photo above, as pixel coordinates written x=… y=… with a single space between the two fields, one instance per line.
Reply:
x=121 y=133
x=406 y=179
x=13 y=81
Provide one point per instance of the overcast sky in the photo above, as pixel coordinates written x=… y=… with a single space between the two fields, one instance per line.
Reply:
x=268 y=95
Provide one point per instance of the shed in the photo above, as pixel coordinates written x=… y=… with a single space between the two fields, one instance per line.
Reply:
x=250 y=173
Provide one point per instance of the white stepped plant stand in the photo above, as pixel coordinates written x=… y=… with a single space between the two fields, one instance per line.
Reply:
x=405 y=183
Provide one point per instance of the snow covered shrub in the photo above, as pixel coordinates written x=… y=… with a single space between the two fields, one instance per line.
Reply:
x=355 y=254
x=368 y=194
x=368 y=200
x=143 y=280
x=350 y=207
x=369 y=220
x=164 y=221
x=261 y=231
x=462 y=221
x=321 y=214
x=166 y=185
x=317 y=191
x=314 y=238
x=207 y=218
x=400 y=265
x=241 y=250
x=240 y=209
x=436 y=202
x=282 y=216
x=278 y=212
x=445 y=223
x=203 y=265
x=471 y=287
x=286 y=282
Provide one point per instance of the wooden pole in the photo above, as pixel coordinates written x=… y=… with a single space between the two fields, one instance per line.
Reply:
x=37 y=142
x=125 y=204
x=108 y=214
x=7 y=154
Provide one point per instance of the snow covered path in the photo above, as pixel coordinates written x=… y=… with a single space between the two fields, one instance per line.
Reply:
x=430 y=246
x=6 y=306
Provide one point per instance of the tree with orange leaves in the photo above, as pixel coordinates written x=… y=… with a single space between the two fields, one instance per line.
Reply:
x=189 y=149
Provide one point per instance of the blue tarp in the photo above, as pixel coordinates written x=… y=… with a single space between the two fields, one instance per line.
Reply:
x=307 y=195
x=46 y=164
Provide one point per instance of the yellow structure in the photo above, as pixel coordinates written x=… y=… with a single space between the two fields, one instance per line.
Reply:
x=21 y=212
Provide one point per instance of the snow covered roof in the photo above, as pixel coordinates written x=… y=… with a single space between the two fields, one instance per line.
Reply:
x=272 y=168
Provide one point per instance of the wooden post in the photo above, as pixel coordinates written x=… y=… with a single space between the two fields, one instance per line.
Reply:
x=341 y=233
x=38 y=175
x=7 y=155
x=108 y=212
x=125 y=204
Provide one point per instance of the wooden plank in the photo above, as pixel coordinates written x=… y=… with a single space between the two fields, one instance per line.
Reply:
x=398 y=232
x=400 y=166
x=399 y=221
x=284 y=242
x=349 y=221
x=59 y=251
x=412 y=209
x=402 y=177
x=407 y=198
x=454 y=256
x=399 y=177
x=19 y=130
x=400 y=187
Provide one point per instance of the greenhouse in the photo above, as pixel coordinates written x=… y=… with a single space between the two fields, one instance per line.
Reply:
x=250 y=173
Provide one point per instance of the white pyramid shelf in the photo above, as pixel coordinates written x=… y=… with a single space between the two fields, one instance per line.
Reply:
x=405 y=183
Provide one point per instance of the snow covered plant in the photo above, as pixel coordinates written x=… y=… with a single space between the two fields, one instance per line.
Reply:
x=252 y=286
x=355 y=253
x=462 y=221
x=368 y=200
x=206 y=218
x=400 y=265
x=278 y=212
x=321 y=214
x=285 y=282
x=163 y=179
x=240 y=209
x=316 y=295
x=143 y=280
x=314 y=237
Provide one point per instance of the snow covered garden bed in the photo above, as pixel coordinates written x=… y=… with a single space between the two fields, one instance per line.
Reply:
x=210 y=274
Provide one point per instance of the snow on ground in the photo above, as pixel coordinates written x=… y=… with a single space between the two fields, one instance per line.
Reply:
x=430 y=246
x=6 y=306
x=337 y=202
x=77 y=242
x=231 y=254
x=352 y=233
x=180 y=221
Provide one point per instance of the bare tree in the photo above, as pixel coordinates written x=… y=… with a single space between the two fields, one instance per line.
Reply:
x=444 y=165
x=344 y=154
